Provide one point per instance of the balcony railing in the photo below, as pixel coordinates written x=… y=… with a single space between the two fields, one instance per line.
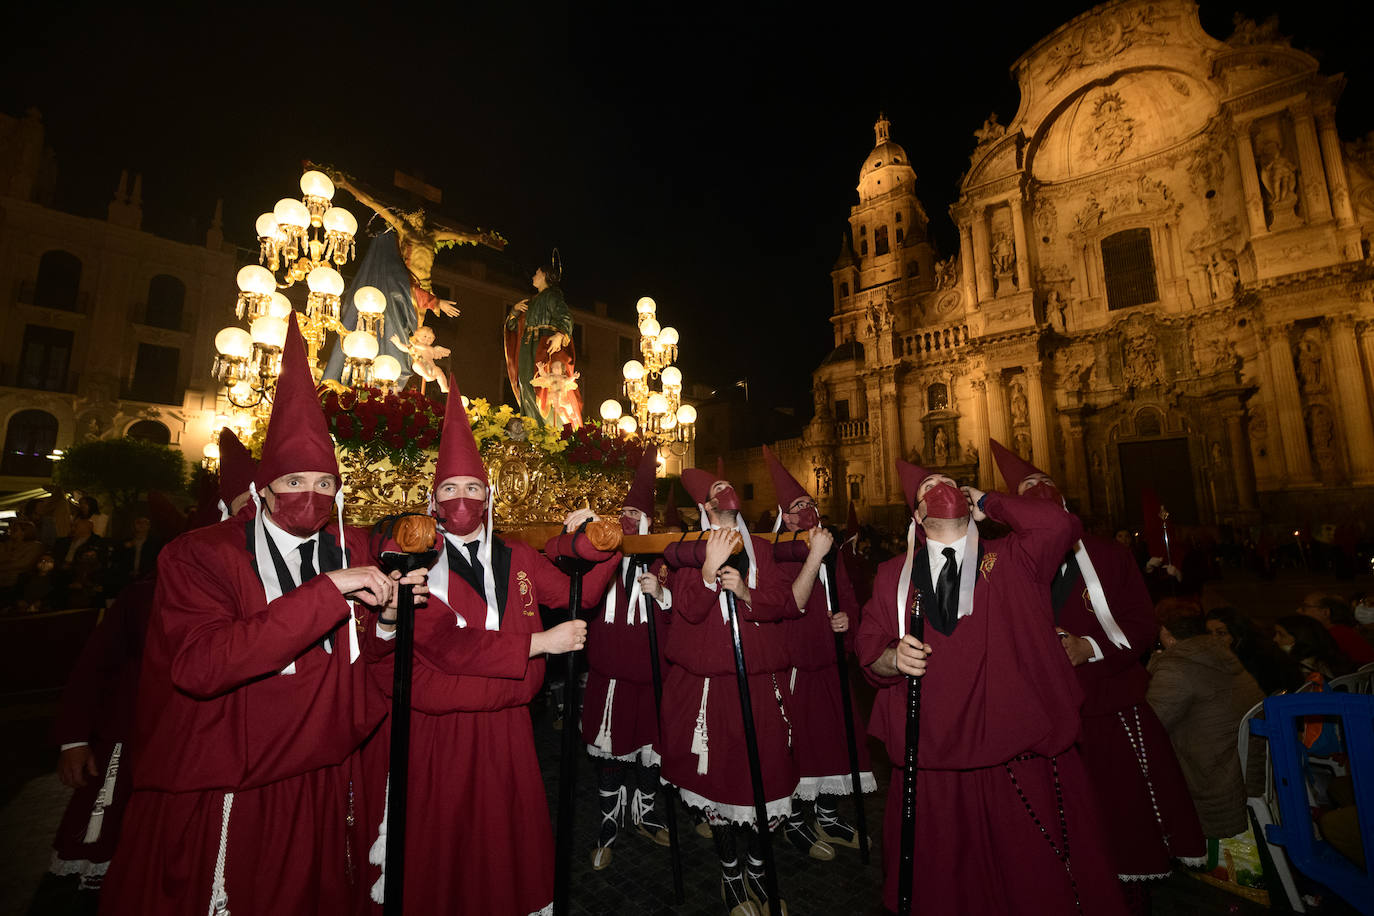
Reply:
x=933 y=341
x=851 y=429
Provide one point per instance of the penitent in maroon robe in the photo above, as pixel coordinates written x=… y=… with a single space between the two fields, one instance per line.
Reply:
x=478 y=838
x=999 y=718
x=216 y=716
x=618 y=715
x=702 y=686
x=814 y=701
x=98 y=710
x=1141 y=793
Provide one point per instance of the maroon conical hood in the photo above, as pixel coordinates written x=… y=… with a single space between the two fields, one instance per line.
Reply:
x=297 y=434
x=641 y=495
x=720 y=468
x=167 y=520
x=911 y=476
x=236 y=467
x=671 y=517
x=851 y=524
x=1014 y=468
x=698 y=484
x=786 y=486
x=458 y=454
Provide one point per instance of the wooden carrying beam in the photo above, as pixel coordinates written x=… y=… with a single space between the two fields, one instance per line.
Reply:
x=537 y=536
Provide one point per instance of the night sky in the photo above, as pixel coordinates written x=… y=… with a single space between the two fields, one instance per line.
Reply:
x=707 y=158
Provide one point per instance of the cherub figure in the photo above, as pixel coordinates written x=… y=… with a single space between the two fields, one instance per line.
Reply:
x=556 y=382
x=423 y=352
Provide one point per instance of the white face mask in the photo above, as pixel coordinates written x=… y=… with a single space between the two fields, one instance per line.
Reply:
x=1287 y=648
x=1364 y=613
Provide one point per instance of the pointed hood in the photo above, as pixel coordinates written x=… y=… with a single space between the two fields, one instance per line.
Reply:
x=1014 y=468
x=720 y=468
x=671 y=517
x=297 y=434
x=236 y=467
x=641 y=495
x=851 y=523
x=698 y=484
x=167 y=520
x=458 y=454
x=784 y=484
x=911 y=476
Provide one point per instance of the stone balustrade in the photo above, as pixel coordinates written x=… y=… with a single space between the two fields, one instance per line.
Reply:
x=933 y=341
x=846 y=430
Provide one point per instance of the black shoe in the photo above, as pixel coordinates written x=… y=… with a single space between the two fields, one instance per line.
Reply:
x=735 y=894
x=799 y=834
x=830 y=828
x=648 y=821
x=758 y=893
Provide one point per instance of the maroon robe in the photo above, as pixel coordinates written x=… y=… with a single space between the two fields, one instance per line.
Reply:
x=478 y=838
x=98 y=710
x=999 y=718
x=1150 y=819
x=814 y=701
x=700 y=649
x=215 y=716
x=620 y=674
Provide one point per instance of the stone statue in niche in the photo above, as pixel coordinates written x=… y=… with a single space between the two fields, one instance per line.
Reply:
x=1020 y=407
x=945 y=273
x=1023 y=445
x=1111 y=132
x=1310 y=365
x=941 y=447
x=990 y=130
x=1223 y=275
x=1056 y=311
x=1003 y=255
x=1280 y=180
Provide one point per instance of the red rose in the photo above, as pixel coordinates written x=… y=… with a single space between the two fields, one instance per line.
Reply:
x=407 y=408
x=424 y=441
x=396 y=440
x=345 y=427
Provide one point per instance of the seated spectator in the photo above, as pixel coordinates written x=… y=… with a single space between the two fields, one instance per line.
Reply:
x=19 y=552
x=136 y=556
x=83 y=535
x=1308 y=643
x=36 y=588
x=89 y=507
x=1364 y=616
x=83 y=586
x=1338 y=617
x=1200 y=691
x=1271 y=668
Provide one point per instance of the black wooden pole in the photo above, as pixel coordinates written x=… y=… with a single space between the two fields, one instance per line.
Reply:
x=669 y=793
x=751 y=742
x=842 y=666
x=562 y=866
x=913 y=739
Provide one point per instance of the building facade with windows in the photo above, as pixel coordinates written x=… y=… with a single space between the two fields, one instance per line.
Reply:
x=1163 y=280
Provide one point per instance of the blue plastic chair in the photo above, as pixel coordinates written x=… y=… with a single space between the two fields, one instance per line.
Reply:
x=1281 y=725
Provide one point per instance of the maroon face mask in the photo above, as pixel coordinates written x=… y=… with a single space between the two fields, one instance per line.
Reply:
x=944 y=501
x=302 y=514
x=805 y=518
x=462 y=515
x=1043 y=489
x=629 y=525
x=727 y=499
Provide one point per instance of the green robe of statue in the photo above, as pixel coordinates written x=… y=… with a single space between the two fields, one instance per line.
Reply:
x=527 y=351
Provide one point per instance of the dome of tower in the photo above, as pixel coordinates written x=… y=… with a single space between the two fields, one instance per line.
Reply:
x=887 y=167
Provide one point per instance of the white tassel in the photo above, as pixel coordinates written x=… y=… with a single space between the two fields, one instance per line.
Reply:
x=377 y=854
x=699 y=744
x=603 y=734
x=219 y=894
x=104 y=797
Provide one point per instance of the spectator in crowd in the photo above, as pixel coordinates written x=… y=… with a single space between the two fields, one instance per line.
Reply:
x=83 y=586
x=19 y=552
x=36 y=588
x=1200 y=691
x=83 y=535
x=1308 y=643
x=1335 y=614
x=1363 y=613
x=136 y=556
x=1271 y=668
x=89 y=507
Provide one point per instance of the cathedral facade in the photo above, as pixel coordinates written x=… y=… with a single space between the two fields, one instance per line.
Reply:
x=1162 y=281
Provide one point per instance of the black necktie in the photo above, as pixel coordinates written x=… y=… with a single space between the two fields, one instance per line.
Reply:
x=308 y=572
x=479 y=581
x=947 y=587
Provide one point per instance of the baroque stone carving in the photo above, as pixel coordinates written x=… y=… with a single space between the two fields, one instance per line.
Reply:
x=1023 y=445
x=1140 y=361
x=1003 y=255
x=1321 y=432
x=1280 y=181
x=1100 y=38
x=1223 y=273
x=941 y=447
x=990 y=130
x=1046 y=219
x=1111 y=132
x=1310 y=360
x=1020 y=407
x=946 y=273
x=1245 y=31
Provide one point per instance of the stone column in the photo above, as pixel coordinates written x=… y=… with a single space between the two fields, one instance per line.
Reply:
x=1335 y=167
x=892 y=437
x=882 y=472
x=1040 y=437
x=966 y=262
x=1315 y=201
x=1018 y=230
x=1076 y=480
x=980 y=433
x=1355 y=405
x=982 y=255
x=1365 y=333
x=1240 y=461
x=1249 y=180
x=1288 y=405
x=997 y=409
x=1276 y=470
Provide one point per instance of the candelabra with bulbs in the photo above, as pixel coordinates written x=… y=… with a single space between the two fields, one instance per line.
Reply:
x=653 y=388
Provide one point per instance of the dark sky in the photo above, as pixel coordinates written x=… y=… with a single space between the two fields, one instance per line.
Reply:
x=704 y=157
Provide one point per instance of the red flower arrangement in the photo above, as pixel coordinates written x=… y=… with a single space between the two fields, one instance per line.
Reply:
x=398 y=426
x=588 y=444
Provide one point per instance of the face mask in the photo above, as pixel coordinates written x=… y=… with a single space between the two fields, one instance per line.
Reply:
x=302 y=514
x=1044 y=490
x=463 y=515
x=944 y=501
x=727 y=499
x=1287 y=648
x=805 y=519
x=1364 y=613
x=629 y=525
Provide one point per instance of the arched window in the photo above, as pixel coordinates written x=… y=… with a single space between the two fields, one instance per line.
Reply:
x=59 y=281
x=1128 y=269
x=937 y=396
x=844 y=290
x=880 y=241
x=166 y=297
x=29 y=438
x=150 y=431
x=899 y=220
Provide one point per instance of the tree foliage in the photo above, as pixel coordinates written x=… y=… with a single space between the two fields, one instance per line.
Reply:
x=122 y=469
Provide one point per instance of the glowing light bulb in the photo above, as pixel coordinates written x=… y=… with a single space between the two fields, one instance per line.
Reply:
x=610 y=410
